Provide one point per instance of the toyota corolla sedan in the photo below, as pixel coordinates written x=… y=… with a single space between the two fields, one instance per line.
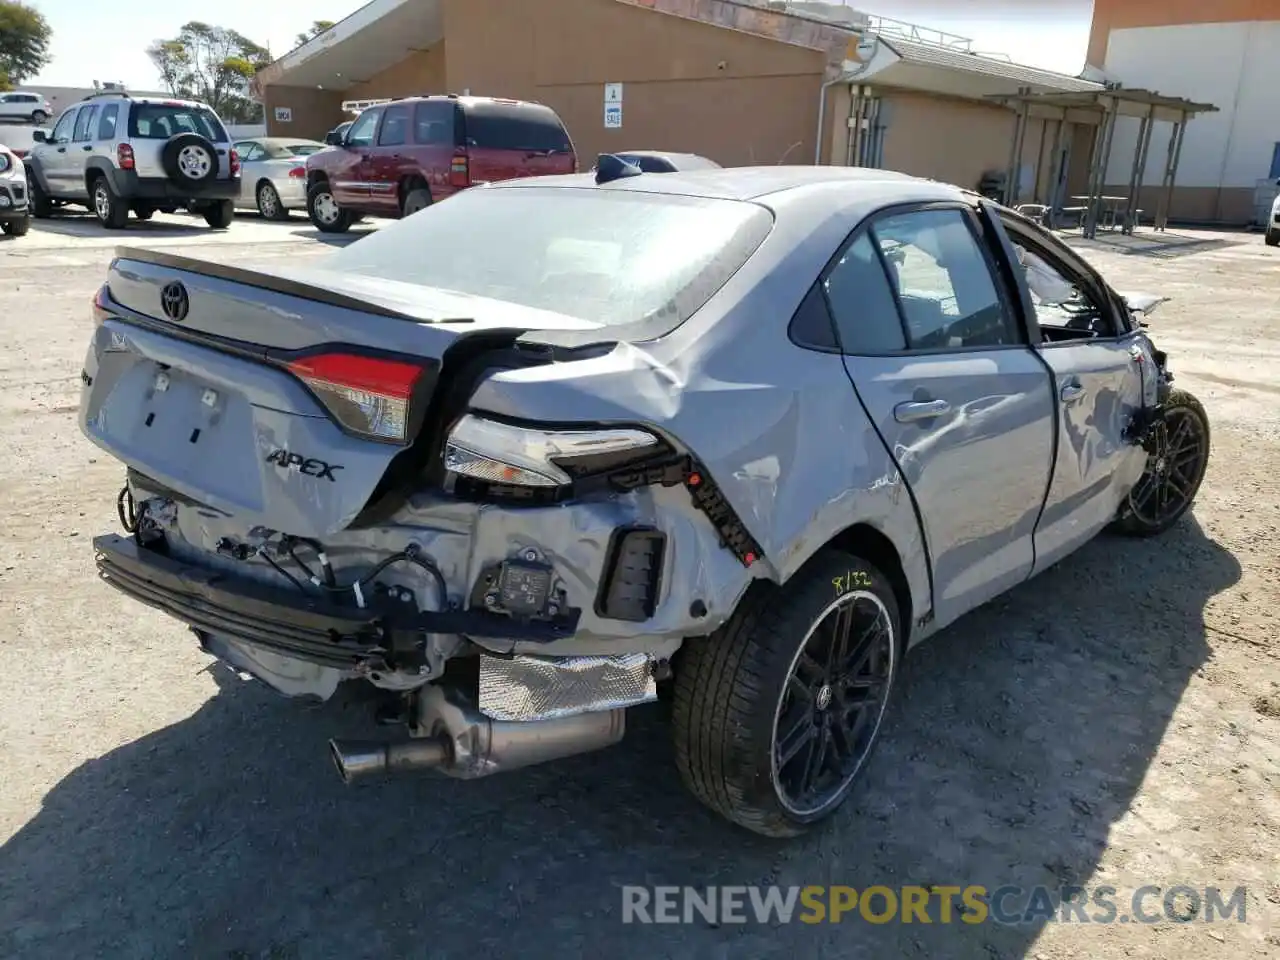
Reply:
x=528 y=458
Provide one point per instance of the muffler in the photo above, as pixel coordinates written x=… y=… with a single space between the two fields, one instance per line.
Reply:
x=452 y=736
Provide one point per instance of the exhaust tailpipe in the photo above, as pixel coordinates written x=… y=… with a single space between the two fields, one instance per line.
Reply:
x=358 y=759
x=462 y=742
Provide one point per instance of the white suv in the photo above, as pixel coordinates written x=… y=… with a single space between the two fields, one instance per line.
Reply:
x=24 y=106
x=114 y=153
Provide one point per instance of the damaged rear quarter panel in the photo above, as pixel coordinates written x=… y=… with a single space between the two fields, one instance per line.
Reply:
x=778 y=428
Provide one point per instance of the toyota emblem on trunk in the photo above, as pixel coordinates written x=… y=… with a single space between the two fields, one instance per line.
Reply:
x=174 y=301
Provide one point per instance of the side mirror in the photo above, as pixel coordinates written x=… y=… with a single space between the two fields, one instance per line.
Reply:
x=331 y=139
x=39 y=136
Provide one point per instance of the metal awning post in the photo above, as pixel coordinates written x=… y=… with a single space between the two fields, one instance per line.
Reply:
x=1015 y=150
x=1139 y=171
x=1098 y=172
x=1170 y=172
x=1055 y=175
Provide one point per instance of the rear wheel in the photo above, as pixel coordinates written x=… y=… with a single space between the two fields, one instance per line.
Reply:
x=415 y=200
x=144 y=212
x=220 y=213
x=1178 y=454
x=324 y=211
x=269 y=205
x=16 y=228
x=777 y=712
x=1272 y=238
x=38 y=117
x=108 y=208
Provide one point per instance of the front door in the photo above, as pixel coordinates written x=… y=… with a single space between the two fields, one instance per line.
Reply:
x=55 y=155
x=348 y=179
x=942 y=365
x=1099 y=366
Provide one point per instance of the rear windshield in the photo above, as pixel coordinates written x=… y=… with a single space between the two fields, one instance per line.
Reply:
x=160 y=121
x=279 y=151
x=509 y=126
x=608 y=257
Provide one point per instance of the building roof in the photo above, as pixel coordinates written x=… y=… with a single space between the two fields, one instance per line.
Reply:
x=937 y=55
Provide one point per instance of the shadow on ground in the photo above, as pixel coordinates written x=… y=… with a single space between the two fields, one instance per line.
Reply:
x=1020 y=736
x=86 y=224
x=334 y=239
x=1159 y=246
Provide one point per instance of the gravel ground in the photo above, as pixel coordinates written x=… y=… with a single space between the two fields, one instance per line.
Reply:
x=1113 y=722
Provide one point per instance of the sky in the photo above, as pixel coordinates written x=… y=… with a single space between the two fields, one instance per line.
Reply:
x=93 y=40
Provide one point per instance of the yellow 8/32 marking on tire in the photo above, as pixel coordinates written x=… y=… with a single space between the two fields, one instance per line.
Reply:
x=849 y=580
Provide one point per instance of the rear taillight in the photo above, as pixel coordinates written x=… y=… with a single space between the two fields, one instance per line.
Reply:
x=368 y=396
x=235 y=163
x=298 y=173
x=124 y=157
x=460 y=169
x=101 y=305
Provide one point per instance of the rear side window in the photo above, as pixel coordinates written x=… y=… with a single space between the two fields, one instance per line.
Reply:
x=160 y=121
x=607 y=257
x=503 y=126
x=395 y=127
x=433 y=124
x=107 y=121
x=862 y=303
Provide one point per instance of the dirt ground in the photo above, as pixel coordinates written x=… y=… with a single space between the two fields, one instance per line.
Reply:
x=1115 y=721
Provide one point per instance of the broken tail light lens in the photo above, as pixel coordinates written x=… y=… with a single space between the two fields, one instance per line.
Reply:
x=502 y=453
x=368 y=396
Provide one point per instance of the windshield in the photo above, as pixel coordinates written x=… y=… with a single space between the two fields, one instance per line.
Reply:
x=608 y=257
x=160 y=121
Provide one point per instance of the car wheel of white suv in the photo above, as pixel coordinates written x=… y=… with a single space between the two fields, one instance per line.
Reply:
x=111 y=212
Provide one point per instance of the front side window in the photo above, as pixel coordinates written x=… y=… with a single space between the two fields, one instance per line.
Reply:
x=362 y=131
x=160 y=121
x=62 y=131
x=609 y=258
x=943 y=281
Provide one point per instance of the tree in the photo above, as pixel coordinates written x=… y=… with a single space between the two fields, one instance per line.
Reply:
x=317 y=27
x=214 y=65
x=24 y=41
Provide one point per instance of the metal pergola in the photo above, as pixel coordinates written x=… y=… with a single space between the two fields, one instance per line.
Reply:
x=1099 y=109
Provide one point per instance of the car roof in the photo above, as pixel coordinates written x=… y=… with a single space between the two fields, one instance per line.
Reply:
x=740 y=183
x=467 y=100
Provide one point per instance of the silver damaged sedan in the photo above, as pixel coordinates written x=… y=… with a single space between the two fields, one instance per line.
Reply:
x=562 y=446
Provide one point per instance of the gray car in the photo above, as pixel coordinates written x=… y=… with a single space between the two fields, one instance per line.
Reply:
x=273 y=174
x=566 y=445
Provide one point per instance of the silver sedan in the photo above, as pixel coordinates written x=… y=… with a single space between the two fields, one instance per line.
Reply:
x=273 y=175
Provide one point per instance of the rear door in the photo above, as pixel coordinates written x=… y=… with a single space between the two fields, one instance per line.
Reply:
x=81 y=149
x=152 y=123
x=434 y=131
x=506 y=139
x=389 y=161
x=938 y=354
x=1099 y=366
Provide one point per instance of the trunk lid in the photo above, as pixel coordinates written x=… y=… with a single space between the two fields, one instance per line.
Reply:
x=280 y=398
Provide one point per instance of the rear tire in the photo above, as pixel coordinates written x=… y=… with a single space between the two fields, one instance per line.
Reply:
x=269 y=205
x=16 y=228
x=107 y=207
x=415 y=200
x=324 y=211
x=38 y=117
x=744 y=727
x=1272 y=238
x=220 y=213
x=1175 y=470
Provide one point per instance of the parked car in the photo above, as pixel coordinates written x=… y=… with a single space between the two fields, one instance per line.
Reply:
x=400 y=157
x=575 y=437
x=15 y=215
x=24 y=106
x=273 y=174
x=1272 y=236
x=114 y=153
x=20 y=138
x=660 y=161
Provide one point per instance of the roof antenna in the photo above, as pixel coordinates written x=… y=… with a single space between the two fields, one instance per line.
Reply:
x=610 y=168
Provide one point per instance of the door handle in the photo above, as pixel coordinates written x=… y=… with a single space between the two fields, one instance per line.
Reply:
x=917 y=410
x=1071 y=392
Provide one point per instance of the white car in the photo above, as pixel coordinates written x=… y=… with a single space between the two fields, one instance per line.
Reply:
x=15 y=214
x=273 y=177
x=1272 y=236
x=24 y=106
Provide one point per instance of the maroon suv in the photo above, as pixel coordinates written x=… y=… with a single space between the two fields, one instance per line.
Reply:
x=397 y=158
